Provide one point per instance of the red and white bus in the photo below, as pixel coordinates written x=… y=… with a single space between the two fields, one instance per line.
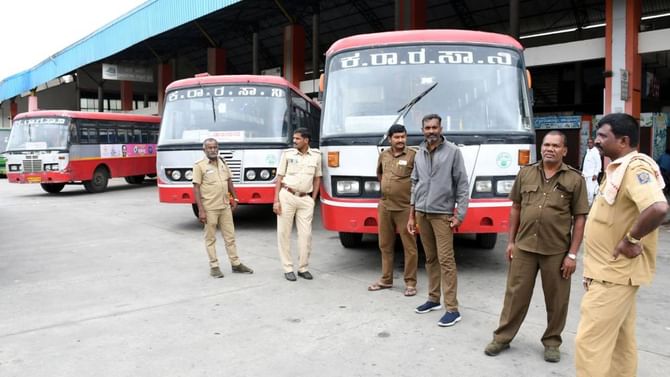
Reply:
x=482 y=95
x=252 y=118
x=59 y=147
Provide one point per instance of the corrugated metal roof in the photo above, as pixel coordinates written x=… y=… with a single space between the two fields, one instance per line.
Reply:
x=145 y=21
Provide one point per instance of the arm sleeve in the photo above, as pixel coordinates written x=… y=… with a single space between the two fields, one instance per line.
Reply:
x=641 y=185
x=318 y=172
x=197 y=174
x=462 y=187
x=580 y=202
x=281 y=169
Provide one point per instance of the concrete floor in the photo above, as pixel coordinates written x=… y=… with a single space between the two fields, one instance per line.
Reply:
x=116 y=284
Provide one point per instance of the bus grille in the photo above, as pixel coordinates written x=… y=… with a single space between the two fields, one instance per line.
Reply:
x=32 y=166
x=235 y=166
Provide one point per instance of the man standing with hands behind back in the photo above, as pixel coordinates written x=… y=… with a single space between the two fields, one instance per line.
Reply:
x=212 y=181
x=394 y=168
x=439 y=183
x=298 y=180
x=546 y=226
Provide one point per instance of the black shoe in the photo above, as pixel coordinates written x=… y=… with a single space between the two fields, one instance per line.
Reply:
x=305 y=275
x=290 y=276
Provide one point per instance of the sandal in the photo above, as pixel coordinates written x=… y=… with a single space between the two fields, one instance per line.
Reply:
x=410 y=291
x=378 y=286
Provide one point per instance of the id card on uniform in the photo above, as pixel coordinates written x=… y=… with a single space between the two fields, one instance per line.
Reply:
x=402 y=162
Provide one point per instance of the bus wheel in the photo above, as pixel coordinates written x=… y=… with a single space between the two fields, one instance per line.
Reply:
x=195 y=211
x=135 y=179
x=487 y=240
x=98 y=183
x=351 y=240
x=52 y=188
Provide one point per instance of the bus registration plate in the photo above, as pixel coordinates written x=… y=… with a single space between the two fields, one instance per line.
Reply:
x=34 y=179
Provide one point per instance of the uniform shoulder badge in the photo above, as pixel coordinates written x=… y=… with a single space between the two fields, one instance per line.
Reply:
x=643 y=177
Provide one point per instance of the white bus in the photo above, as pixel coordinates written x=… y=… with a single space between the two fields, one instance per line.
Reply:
x=252 y=118
x=482 y=95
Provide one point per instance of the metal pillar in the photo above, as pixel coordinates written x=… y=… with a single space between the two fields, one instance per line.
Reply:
x=514 y=18
x=254 y=53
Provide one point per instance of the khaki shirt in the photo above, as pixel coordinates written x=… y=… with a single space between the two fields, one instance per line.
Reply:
x=213 y=180
x=547 y=208
x=607 y=224
x=396 y=185
x=299 y=169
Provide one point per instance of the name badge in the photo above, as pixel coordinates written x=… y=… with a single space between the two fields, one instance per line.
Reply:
x=209 y=171
x=402 y=162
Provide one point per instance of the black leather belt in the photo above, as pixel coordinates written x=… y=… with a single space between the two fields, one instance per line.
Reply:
x=294 y=192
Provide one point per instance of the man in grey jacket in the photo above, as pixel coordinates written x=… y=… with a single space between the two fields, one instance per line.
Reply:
x=438 y=203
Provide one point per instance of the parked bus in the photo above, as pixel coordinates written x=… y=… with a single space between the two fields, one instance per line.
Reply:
x=252 y=118
x=482 y=95
x=55 y=148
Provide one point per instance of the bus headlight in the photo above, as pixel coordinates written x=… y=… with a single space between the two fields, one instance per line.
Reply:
x=250 y=175
x=504 y=186
x=175 y=175
x=189 y=174
x=371 y=186
x=265 y=174
x=483 y=186
x=14 y=167
x=348 y=188
x=50 y=167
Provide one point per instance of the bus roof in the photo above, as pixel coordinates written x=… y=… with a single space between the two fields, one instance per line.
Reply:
x=237 y=79
x=90 y=115
x=422 y=36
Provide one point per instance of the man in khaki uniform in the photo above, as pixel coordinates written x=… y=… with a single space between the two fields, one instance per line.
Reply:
x=546 y=227
x=212 y=183
x=620 y=251
x=394 y=168
x=298 y=179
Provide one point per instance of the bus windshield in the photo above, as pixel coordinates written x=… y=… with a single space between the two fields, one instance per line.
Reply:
x=47 y=133
x=231 y=113
x=480 y=89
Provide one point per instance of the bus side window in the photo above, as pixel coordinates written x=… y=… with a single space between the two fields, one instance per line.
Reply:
x=88 y=132
x=153 y=137
x=137 y=136
x=74 y=137
x=122 y=135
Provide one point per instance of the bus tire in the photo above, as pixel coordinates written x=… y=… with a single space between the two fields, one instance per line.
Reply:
x=135 y=179
x=487 y=240
x=52 y=188
x=98 y=182
x=351 y=240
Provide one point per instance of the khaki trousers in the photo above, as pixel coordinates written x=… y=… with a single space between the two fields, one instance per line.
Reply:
x=391 y=222
x=302 y=209
x=223 y=219
x=605 y=342
x=437 y=239
x=520 y=283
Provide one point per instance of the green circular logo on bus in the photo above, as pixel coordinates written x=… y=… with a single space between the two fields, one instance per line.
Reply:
x=271 y=159
x=504 y=160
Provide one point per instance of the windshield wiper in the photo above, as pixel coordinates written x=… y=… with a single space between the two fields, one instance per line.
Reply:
x=405 y=109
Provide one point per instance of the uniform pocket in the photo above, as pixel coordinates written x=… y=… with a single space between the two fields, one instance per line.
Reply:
x=529 y=194
x=401 y=171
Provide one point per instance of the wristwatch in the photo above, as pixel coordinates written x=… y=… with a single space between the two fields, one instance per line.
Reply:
x=572 y=256
x=237 y=200
x=631 y=239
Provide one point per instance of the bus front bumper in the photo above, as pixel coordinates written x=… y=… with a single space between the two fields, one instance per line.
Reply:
x=360 y=216
x=40 y=177
x=247 y=194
